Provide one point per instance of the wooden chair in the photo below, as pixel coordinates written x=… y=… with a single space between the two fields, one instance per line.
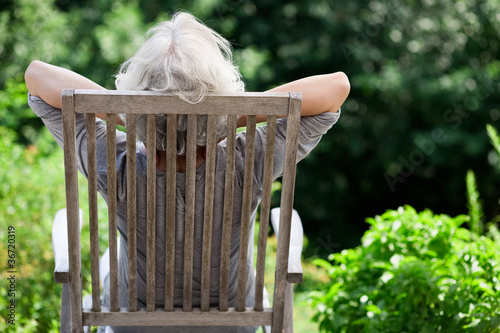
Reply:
x=67 y=250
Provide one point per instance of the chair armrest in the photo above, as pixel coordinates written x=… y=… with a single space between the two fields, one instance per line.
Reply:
x=60 y=245
x=295 y=273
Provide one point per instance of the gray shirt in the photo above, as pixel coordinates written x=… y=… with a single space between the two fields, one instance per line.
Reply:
x=311 y=131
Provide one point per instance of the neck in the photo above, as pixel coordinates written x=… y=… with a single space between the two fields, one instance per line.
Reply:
x=181 y=160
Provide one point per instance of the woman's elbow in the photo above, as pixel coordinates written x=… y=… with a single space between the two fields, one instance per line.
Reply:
x=340 y=90
x=345 y=86
x=31 y=76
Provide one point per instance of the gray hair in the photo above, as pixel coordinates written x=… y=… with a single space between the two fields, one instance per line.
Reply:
x=188 y=59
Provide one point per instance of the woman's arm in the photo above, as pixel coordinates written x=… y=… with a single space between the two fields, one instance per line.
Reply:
x=47 y=82
x=320 y=93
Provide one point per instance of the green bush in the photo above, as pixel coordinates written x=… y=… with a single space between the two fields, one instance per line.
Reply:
x=414 y=272
x=31 y=192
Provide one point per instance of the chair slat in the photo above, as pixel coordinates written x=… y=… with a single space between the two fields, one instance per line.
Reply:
x=113 y=255
x=93 y=220
x=228 y=212
x=287 y=192
x=131 y=213
x=208 y=212
x=151 y=211
x=180 y=318
x=189 y=215
x=246 y=212
x=145 y=102
x=171 y=159
x=72 y=209
x=264 y=212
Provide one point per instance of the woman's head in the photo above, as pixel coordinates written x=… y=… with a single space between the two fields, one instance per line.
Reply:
x=184 y=57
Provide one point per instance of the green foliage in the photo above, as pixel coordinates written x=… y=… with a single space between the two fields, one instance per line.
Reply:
x=31 y=30
x=414 y=272
x=474 y=204
x=421 y=95
x=31 y=191
x=495 y=140
x=15 y=114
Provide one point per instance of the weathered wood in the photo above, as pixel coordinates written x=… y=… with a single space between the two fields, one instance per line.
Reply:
x=189 y=215
x=151 y=211
x=246 y=211
x=227 y=218
x=93 y=221
x=171 y=160
x=196 y=317
x=294 y=274
x=288 y=316
x=72 y=209
x=208 y=211
x=65 y=323
x=112 y=207
x=265 y=205
x=250 y=104
x=287 y=192
x=131 y=213
x=145 y=102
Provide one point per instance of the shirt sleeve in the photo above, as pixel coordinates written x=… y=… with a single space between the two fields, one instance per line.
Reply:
x=52 y=118
x=311 y=130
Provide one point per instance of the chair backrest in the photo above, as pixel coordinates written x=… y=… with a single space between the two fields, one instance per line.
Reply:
x=91 y=102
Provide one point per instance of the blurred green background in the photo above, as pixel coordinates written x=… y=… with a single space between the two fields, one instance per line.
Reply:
x=424 y=83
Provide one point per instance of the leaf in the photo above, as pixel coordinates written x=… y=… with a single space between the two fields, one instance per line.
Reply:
x=474 y=323
x=474 y=204
x=373 y=308
x=381 y=265
x=495 y=139
x=386 y=277
x=486 y=288
x=322 y=263
x=431 y=253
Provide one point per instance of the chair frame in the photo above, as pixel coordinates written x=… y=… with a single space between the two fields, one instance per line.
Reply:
x=111 y=102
